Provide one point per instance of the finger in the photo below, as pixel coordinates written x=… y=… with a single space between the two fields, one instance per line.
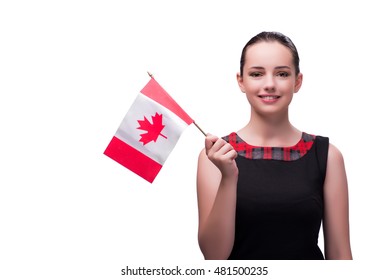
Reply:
x=229 y=154
x=211 y=138
x=225 y=148
x=232 y=154
x=216 y=146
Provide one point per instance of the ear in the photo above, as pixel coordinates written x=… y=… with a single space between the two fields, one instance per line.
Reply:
x=239 y=78
x=299 y=82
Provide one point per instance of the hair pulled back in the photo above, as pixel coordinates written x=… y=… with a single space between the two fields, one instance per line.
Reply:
x=272 y=37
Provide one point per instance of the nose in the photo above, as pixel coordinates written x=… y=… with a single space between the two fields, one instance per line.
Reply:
x=269 y=85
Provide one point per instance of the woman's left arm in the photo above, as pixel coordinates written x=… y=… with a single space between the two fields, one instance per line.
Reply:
x=336 y=209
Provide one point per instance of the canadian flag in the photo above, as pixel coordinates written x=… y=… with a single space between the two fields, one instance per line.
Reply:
x=148 y=132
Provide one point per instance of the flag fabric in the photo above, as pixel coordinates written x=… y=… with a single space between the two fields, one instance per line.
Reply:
x=148 y=132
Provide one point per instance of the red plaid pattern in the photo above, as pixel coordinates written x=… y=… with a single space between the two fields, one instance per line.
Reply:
x=276 y=153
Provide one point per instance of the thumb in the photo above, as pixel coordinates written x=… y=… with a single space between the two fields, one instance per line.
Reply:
x=210 y=140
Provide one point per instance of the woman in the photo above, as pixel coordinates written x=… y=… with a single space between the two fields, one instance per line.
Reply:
x=264 y=190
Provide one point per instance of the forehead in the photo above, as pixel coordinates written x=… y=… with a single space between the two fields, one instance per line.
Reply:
x=268 y=54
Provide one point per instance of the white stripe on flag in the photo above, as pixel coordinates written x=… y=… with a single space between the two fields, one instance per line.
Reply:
x=144 y=107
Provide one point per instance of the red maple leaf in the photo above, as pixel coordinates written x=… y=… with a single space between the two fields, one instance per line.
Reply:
x=153 y=129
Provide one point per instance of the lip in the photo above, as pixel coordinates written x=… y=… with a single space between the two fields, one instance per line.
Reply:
x=269 y=98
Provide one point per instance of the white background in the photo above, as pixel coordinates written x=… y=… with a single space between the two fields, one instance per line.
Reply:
x=69 y=71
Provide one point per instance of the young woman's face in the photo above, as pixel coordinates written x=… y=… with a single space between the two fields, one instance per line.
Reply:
x=269 y=77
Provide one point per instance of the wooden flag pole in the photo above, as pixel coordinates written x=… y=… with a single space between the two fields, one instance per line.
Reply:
x=202 y=131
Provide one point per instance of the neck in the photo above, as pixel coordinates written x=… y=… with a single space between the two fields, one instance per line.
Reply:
x=270 y=131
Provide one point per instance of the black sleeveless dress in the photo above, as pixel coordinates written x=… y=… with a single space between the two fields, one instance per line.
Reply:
x=279 y=205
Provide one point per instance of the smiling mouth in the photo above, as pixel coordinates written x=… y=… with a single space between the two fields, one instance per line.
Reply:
x=269 y=97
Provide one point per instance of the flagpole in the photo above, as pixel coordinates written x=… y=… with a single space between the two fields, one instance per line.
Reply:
x=202 y=131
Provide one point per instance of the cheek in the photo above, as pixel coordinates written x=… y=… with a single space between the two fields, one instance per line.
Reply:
x=253 y=86
x=286 y=86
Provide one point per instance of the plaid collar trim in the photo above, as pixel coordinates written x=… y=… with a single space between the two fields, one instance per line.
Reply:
x=273 y=153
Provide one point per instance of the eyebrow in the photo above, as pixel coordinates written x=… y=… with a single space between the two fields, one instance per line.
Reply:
x=277 y=67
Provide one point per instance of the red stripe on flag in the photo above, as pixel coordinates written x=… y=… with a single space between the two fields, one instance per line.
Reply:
x=154 y=91
x=132 y=159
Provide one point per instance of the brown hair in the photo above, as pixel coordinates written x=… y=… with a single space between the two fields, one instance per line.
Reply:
x=271 y=37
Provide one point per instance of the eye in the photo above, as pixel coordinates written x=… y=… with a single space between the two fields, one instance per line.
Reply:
x=283 y=74
x=255 y=74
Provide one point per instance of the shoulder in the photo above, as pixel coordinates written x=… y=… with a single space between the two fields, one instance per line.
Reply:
x=334 y=155
x=327 y=149
x=336 y=178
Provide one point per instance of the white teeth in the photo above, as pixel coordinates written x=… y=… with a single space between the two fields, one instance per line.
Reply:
x=268 y=97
